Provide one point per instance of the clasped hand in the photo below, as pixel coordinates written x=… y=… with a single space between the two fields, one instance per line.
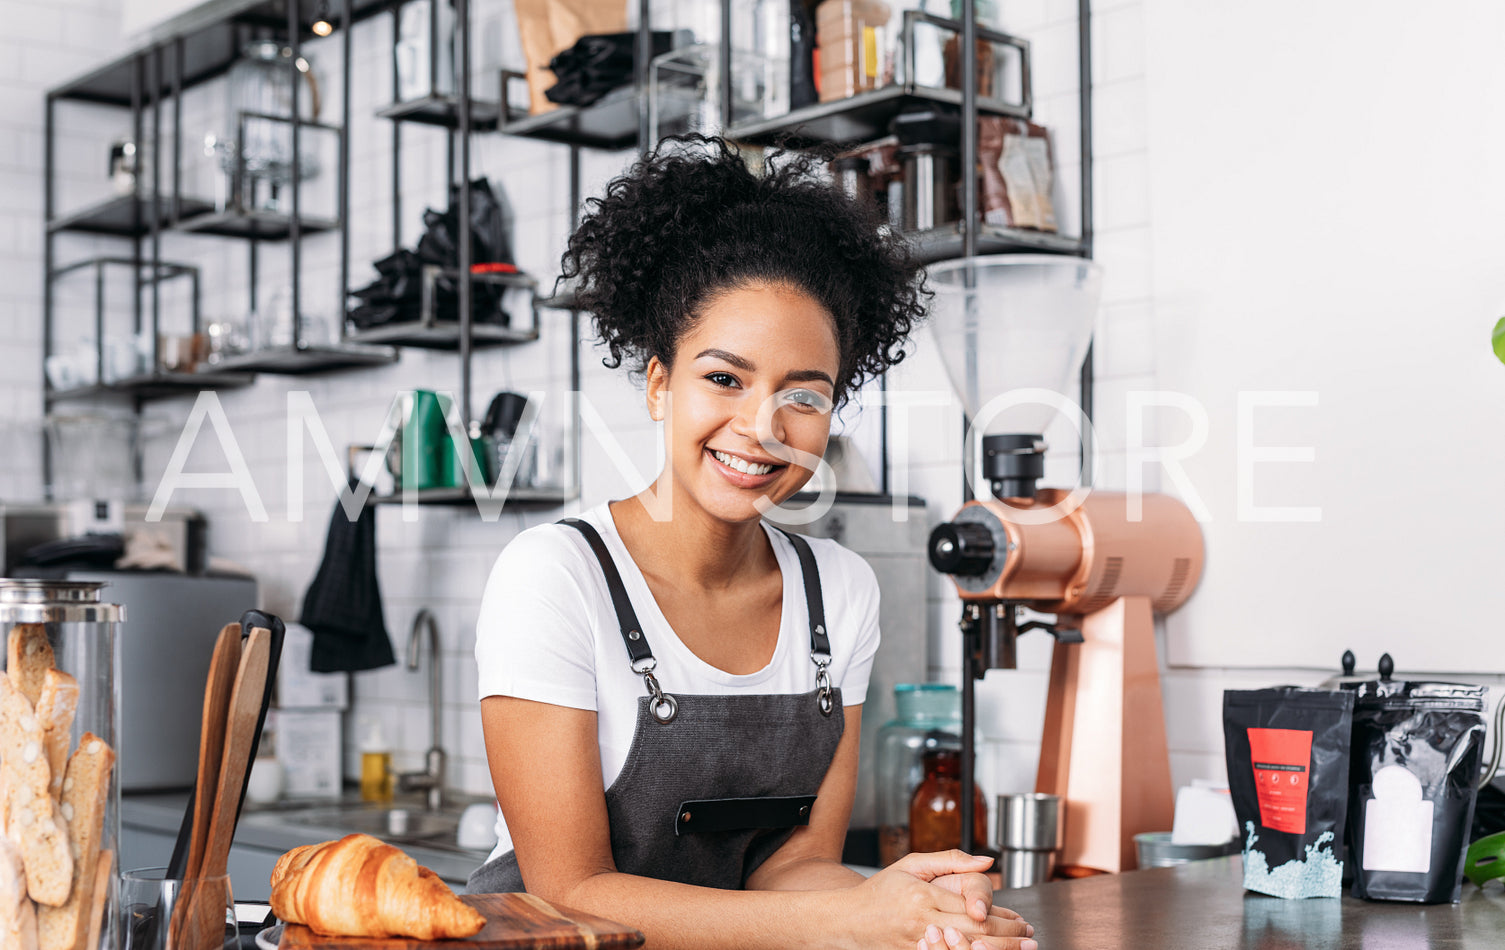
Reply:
x=939 y=901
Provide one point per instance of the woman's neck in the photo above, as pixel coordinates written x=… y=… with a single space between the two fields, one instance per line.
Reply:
x=685 y=543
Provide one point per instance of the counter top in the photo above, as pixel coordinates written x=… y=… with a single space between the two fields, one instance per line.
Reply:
x=270 y=829
x=1203 y=905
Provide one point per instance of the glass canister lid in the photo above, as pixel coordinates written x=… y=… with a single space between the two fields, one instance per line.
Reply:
x=42 y=600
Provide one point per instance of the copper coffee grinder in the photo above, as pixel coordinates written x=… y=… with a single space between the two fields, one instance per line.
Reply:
x=1102 y=562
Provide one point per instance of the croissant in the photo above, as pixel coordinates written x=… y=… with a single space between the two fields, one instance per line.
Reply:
x=361 y=887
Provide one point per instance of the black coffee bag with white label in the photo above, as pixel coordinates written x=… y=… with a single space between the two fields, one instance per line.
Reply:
x=1287 y=750
x=1416 y=754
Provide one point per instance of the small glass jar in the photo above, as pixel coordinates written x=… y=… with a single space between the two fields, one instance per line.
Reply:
x=935 y=811
x=72 y=622
x=928 y=717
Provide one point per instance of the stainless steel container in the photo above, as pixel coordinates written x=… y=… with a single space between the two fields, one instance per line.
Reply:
x=1030 y=836
x=1154 y=850
x=79 y=627
x=929 y=185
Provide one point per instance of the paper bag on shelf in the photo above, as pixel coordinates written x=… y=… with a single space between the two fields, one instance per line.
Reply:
x=546 y=27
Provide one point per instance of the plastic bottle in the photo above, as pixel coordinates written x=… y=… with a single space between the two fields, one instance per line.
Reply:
x=376 y=765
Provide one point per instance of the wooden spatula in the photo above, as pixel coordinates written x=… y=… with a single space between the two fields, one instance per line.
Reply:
x=217 y=689
x=207 y=904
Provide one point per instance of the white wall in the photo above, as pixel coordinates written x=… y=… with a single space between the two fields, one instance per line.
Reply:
x=42 y=43
x=441 y=560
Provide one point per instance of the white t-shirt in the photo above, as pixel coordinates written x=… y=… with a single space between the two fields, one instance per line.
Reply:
x=547 y=632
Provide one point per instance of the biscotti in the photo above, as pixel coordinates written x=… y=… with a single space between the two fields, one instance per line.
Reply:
x=55 y=709
x=33 y=819
x=18 y=918
x=24 y=771
x=28 y=657
x=86 y=793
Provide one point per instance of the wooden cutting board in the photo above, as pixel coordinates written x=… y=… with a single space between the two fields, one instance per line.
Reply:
x=513 y=922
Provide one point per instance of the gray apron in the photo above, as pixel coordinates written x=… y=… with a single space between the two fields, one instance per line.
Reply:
x=713 y=785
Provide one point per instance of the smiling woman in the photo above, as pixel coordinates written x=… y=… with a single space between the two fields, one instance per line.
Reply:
x=671 y=689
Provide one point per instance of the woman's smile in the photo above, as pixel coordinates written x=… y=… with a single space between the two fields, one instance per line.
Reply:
x=744 y=472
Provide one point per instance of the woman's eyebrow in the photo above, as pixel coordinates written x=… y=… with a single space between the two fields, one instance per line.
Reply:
x=810 y=376
x=742 y=363
x=732 y=358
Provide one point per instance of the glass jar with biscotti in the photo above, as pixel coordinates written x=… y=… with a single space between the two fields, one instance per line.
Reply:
x=59 y=798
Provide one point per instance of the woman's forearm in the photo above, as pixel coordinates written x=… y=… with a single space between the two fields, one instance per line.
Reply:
x=809 y=874
x=673 y=915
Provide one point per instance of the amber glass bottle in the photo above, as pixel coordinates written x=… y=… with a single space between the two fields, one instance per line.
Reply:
x=935 y=815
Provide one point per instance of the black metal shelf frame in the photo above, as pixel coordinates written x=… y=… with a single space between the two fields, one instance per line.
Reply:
x=193 y=48
x=460 y=114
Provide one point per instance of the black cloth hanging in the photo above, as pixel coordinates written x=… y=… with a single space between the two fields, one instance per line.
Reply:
x=343 y=604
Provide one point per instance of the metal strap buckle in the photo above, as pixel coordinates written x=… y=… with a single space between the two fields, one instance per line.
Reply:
x=660 y=703
x=644 y=666
x=824 y=695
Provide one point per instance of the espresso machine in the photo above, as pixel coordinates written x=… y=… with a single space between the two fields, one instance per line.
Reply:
x=1103 y=563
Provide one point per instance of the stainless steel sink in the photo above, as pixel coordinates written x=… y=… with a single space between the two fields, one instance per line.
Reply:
x=398 y=825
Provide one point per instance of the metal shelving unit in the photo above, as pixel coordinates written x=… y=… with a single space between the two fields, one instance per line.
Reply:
x=443 y=111
x=460 y=114
x=196 y=47
x=527 y=499
x=947 y=242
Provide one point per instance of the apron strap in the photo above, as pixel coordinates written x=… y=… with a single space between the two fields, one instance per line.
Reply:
x=815 y=606
x=663 y=705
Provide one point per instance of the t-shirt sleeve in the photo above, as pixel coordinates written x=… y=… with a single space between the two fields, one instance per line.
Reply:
x=862 y=584
x=533 y=636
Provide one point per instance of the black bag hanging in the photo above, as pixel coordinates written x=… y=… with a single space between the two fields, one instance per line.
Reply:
x=1287 y=751
x=1416 y=754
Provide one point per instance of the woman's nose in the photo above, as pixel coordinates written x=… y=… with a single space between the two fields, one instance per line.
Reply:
x=757 y=417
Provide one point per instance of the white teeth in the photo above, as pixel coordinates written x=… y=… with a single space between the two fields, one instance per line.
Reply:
x=741 y=465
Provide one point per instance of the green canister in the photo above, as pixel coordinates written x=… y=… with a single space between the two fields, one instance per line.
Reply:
x=425 y=443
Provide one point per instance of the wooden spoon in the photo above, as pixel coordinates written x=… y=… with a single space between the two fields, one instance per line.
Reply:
x=207 y=904
x=217 y=688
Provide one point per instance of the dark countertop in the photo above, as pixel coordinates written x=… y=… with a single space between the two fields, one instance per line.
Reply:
x=1203 y=906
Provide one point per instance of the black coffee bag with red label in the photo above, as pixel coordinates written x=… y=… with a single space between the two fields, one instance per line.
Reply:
x=1287 y=751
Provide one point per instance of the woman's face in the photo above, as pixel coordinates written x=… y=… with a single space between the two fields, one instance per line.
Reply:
x=748 y=401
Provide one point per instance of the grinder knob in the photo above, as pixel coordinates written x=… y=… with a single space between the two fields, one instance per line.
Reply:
x=961 y=547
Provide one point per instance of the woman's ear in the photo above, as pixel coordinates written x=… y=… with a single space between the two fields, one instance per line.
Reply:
x=657 y=375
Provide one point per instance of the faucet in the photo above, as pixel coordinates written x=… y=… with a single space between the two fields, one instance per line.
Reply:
x=431 y=779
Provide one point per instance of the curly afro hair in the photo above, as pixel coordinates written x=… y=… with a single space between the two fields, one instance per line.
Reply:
x=691 y=220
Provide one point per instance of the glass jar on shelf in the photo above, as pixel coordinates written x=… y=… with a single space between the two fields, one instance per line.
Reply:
x=928 y=716
x=254 y=147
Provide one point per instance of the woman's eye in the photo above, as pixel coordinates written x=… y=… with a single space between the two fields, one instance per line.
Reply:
x=722 y=379
x=806 y=399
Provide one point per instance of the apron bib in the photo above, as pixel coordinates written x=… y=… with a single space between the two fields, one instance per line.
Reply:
x=713 y=785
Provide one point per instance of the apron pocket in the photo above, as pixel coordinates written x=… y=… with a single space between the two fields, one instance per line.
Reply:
x=742 y=814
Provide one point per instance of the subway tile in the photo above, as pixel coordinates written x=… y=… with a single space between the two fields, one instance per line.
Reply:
x=473 y=777
x=1119 y=120
x=1011 y=705
x=1124 y=344
x=1125 y=257
x=1118 y=43
x=1121 y=185
x=1053 y=52
x=1014 y=768
x=1189 y=767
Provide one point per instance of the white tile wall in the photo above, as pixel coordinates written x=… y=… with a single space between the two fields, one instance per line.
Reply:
x=441 y=559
